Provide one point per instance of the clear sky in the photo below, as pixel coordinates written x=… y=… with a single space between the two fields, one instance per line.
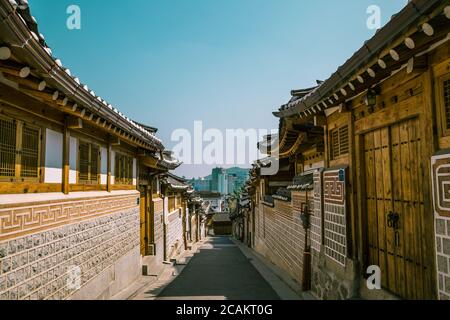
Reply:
x=229 y=63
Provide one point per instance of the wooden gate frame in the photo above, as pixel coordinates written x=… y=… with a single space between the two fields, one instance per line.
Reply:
x=387 y=117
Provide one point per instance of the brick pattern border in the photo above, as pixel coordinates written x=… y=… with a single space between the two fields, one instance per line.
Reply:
x=316 y=217
x=439 y=165
x=29 y=218
x=335 y=215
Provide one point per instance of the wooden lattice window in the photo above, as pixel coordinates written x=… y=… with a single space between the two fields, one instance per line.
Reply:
x=88 y=163
x=446 y=101
x=19 y=150
x=339 y=142
x=123 y=169
x=442 y=90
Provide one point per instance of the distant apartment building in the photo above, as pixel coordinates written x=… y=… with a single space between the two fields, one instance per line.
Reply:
x=232 y=179
x=201 y=184
x=223 y=181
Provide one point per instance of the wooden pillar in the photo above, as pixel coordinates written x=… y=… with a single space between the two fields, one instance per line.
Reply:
x=66 y=159
x=108 y=166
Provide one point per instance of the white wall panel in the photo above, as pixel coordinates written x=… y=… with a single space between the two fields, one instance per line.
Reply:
x=53 y=156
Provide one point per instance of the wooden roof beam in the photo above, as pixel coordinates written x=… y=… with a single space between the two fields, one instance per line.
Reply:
x=30 y=82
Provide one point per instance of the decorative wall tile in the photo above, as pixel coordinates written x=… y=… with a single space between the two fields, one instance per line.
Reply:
x=335 y=226
x=440 y=172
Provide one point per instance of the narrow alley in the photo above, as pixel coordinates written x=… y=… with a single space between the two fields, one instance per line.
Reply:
x=239 y=151
x=220 y=269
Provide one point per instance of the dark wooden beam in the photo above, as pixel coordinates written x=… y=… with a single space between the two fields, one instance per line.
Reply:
x=74 y=123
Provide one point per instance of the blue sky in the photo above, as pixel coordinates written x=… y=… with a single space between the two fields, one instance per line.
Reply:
x=229 y=63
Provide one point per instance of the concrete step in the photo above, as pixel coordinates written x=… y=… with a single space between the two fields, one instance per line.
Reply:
x=151 y=266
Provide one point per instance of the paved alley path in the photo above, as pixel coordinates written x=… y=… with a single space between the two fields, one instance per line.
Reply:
x=219 y=271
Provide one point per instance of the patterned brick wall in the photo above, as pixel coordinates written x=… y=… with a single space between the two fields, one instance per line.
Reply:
x=316 y=217
x=175 y=233
x=39 y=265
x=335 y=215
x=158 y=221
x=281 y=233
x=193 y=231
x=440 y=172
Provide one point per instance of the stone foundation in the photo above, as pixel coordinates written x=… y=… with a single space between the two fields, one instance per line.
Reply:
x=86 y=258
x=330 y=281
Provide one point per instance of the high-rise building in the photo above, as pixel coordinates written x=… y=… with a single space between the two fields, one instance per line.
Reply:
x=232 y=179
x=215 y=179
x=222 y=185
x=223 y=181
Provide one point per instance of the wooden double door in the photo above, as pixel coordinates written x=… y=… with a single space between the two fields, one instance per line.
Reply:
x=396 y=237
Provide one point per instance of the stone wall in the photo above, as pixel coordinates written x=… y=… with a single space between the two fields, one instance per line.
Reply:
x=335 y=215
x=440 y=171
x=317 y=213
x=57 y=249
x=280 y=237
x=174 y=233
x=329 y=280
x=158 y=228
x=333 y=276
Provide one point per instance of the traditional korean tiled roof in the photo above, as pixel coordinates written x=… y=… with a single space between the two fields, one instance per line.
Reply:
x=176 y=183
x=168 y=160
x=386 y=51
x=303 y=182
x=23 y=34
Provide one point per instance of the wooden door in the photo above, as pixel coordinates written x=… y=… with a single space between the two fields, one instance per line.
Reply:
x=396 y=239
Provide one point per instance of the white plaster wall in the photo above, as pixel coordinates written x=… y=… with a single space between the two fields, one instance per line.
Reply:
x=166 y=209
x=104 y=166
x=134 y=171
x=113 y=167
x=53 y=156
x=73 y=160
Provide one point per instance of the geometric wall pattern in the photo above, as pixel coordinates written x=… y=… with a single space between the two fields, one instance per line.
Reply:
x=26 y=218
x=316 y=214
x=335 y=226
x=440 y=172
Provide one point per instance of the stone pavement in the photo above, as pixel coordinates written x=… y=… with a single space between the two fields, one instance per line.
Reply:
x=219 y=270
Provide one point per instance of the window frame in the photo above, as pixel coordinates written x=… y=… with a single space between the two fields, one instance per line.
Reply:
x=340 y=155
x=442 y=115
x=89 y=181
x=20 y=124
x=118 y=179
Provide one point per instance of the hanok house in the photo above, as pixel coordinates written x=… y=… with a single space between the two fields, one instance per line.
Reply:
x=70 y=167
x=176 y=194
x=196 y=220
x=371 y=190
